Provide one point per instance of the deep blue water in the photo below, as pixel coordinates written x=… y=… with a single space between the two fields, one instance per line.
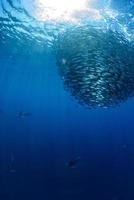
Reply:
x=34 y=149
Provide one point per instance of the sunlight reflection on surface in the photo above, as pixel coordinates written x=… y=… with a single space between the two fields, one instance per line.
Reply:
x=64 y=10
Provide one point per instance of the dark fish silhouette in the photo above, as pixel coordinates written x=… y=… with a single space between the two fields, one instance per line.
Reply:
x=73 y=162
x=11 y=167
x=23 y=114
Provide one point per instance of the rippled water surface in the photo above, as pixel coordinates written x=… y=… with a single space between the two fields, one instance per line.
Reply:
x=20 y=23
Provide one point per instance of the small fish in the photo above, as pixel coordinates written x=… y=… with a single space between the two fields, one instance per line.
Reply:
x=11 y=168
x=73 y=162
x=64 y=61
x=23 y=114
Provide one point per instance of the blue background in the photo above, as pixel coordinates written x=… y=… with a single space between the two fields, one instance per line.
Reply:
x=37 y=147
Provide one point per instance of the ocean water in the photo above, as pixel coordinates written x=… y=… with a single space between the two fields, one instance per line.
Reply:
x=42 y=125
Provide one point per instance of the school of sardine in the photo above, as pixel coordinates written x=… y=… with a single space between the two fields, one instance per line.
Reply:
x=96 y=65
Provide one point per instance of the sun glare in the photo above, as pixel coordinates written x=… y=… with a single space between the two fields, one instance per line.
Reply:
x=58 y=10
x=64 y=5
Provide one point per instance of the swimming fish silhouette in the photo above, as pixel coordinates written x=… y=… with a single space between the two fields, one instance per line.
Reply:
x=73 y=162
x=23 y=114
